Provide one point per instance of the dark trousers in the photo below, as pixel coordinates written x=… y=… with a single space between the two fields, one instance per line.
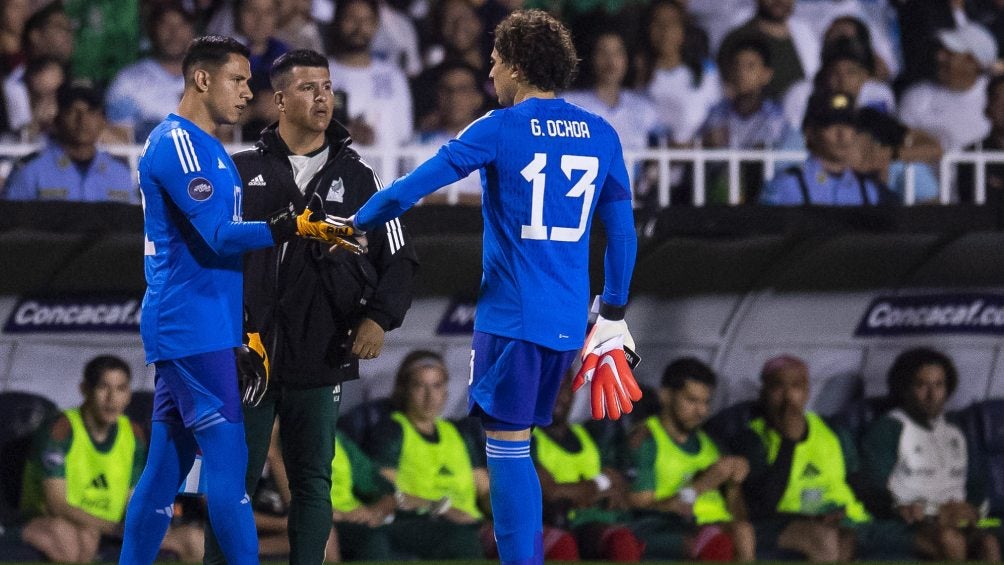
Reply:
x=307 y=419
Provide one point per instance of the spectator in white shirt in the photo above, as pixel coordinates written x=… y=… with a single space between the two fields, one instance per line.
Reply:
x=632 y=115
x=677 y=76
x=396 y=40
x=378 y=97
x=296 y=28
x=143 y=93
x=951 y=106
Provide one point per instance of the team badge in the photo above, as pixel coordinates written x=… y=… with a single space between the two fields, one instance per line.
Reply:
x=336 y=193
x=200 y=189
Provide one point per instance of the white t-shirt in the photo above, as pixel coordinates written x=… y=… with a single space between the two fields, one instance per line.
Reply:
x=380 y=94
x=142 y=95
x=719 y=17
x=931 y=464
x=306 y=166
x=874 y=94
x=634 y=117
x=955 y=117
x=397 y=41
x=682 y=107
x=876 y=15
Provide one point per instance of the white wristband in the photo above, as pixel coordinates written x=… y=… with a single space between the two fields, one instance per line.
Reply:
x=603 y=482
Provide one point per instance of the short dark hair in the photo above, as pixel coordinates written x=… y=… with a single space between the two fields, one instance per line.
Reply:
x=677 y=373
x=340 y=9
x=295 y=58
x=97 y=367
x=69 y=93
x=212 y=50
x=162 y=9
x=755 y=44
x=905 y=368
x=412 y=362
x=540 y=46
x=41 y=18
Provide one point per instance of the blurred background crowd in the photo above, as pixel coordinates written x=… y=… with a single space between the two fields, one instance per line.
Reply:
x=863 y=85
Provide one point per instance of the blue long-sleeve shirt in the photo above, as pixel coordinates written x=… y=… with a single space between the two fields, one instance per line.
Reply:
x=546 y=166
x=194 y=245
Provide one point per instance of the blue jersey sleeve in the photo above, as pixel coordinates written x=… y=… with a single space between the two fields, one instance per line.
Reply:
x=201 y=182
x=474 y=148
x=622 y=247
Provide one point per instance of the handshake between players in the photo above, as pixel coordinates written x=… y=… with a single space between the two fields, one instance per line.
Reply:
x=314 y=224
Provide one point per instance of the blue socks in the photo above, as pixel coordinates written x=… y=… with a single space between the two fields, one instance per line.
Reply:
x=516 y=502
x=224 y=464
x=224 y=461
x=172 y=450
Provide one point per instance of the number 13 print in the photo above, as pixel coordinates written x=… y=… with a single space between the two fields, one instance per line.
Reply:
x=534 y=173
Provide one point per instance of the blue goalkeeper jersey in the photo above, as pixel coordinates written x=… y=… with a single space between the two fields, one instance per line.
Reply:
x=546 y=166
x=194 y=243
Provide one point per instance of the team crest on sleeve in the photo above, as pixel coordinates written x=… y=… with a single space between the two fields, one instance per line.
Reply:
x=200 y=189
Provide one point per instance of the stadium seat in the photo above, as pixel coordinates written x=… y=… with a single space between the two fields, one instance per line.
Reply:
x=359 y=422
x=21 y=414
x=859 y=414
x=990 y=415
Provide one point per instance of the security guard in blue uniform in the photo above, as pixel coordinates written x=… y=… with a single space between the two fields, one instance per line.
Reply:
x=70 y=167
x=826 y=177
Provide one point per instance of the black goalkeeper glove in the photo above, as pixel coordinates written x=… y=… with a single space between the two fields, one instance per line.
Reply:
x=252 y=370
x=314 y=224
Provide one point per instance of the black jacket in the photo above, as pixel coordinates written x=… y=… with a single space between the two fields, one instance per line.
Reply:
x=303 y=299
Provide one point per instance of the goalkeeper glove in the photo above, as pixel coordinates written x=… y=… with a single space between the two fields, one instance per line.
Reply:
x=314 y=224
x=608 y=358
x=252 y=370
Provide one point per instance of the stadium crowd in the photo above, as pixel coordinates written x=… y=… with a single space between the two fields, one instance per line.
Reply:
x=741 y=74
x=898 y=479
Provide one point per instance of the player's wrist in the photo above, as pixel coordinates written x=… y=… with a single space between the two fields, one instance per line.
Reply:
x=610 y=312
x=282 y=224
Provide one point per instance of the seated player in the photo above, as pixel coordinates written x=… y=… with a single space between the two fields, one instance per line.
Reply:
x=797 y=491
x=583 y=488
x=83 y=468
x=685 y=492
x=433 y=466
x=918 y=468
x=362 y=503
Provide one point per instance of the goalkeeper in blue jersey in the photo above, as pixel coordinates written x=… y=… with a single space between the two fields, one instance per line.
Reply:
x=546 y=167
x=192 y=310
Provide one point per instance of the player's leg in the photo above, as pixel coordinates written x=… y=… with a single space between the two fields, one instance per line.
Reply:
x=513 y=386
x=307 y=419
x=258 y=422
x=172 y=450
x=211 y=408
x=170 y=456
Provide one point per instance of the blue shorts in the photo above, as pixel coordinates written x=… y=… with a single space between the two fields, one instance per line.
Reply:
x=192 y=390
x=514 y=382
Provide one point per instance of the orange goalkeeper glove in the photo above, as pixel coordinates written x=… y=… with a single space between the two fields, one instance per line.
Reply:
x=608 y=359
x=314 y=224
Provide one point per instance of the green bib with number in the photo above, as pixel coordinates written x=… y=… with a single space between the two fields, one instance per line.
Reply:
x=675 y=468
x=816 y=483
x=434 y=470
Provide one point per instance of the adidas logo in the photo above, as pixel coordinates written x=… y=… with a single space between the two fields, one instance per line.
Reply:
x=445 y=472
x=257 y=181
x=810 y=472
x=220 y=164
x=100 y=482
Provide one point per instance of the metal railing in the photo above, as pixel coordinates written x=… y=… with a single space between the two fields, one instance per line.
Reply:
x=392 y=163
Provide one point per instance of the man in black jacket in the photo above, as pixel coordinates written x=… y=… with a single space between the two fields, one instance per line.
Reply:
x=317 y=312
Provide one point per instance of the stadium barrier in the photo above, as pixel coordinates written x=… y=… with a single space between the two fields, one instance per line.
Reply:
x=390 y=163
